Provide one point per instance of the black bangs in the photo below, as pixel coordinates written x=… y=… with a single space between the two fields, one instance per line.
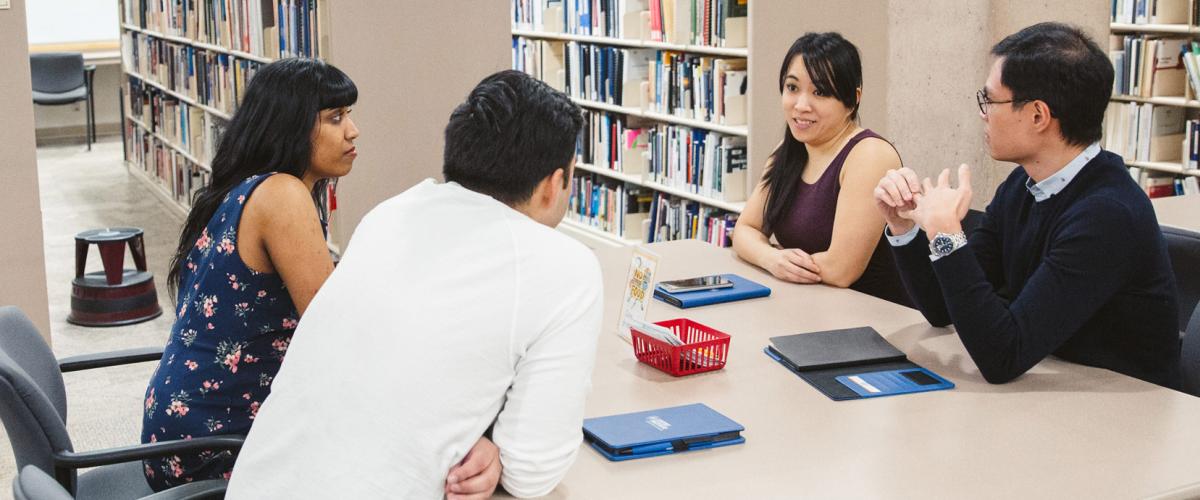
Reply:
x=336 y=89
x=820 y=71
x=834 y=67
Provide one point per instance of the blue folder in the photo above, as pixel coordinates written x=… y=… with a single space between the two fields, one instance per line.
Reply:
x=661 y=432
x=742 y=289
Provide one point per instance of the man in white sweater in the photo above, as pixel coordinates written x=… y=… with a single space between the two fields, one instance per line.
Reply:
x=457 y=308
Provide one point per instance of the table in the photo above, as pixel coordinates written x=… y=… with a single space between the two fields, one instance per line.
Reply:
x=1062 y=430
x=1178 y=211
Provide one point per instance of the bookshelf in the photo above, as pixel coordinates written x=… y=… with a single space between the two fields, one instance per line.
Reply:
x=663 y=85
x=185 y=67
x=1152 y=118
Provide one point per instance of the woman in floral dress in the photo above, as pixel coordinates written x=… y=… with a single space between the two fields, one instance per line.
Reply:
x=250 y=258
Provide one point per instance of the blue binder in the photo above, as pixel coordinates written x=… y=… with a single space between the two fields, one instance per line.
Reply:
x=661 y=432
x=742 y=289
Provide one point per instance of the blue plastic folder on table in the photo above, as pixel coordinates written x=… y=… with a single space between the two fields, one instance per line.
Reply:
x=661 y=432
x=742 y=289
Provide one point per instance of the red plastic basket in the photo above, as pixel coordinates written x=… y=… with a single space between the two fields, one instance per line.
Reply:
x=704 y=349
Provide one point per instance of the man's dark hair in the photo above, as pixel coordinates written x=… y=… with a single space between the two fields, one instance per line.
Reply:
x=1061 y=66
x=512 y=132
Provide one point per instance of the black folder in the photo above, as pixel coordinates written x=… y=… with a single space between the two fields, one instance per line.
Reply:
x=821 y=357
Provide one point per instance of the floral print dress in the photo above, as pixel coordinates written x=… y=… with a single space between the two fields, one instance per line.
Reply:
x=232 y=329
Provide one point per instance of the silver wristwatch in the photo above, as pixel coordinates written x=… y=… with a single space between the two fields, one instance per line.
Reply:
x=943 y=244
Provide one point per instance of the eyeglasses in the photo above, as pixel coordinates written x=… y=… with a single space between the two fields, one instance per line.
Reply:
x=982 y=99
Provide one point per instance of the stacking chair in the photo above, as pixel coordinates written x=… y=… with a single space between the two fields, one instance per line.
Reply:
x=61 y=78
x=33 y=407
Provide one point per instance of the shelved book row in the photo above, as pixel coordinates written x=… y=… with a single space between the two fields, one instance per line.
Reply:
x=1150 y=66
x=179 y=177
x=673 y=218
x=1146 y=132
x=698 y=161
x=689 y=86
x=267 y=28
x=639 y=214
x=210 y=78
x=610 y=206
x=1160 y=185
x=187 y=127
x=714 y=23
x=1150 y=11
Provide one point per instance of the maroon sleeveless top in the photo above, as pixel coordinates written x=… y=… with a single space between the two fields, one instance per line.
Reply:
x=808 y=225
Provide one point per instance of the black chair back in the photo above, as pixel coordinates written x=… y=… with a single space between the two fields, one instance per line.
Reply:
x=1189 y=356
x=1184 y=248
x=56 y=72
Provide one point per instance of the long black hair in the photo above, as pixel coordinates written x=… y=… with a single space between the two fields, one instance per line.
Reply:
x=835 y=69
x=270 y=132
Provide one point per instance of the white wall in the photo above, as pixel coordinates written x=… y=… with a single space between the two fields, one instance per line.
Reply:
x=76 y=21
x=67 y=21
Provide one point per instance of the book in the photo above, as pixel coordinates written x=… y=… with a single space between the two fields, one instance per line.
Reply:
x=1168 y=76
x=742 y=289
x=1166 y=134
x=1169 y=12
x=659 y=432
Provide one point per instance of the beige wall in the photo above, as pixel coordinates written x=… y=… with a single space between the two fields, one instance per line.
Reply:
x=22 y=259
x=413 y=62
x=939 y=49
x=776 y=24
x=922 y=63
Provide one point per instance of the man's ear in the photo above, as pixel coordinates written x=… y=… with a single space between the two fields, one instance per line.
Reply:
x=558 y=179
x=1041 y=116
x=546 y=191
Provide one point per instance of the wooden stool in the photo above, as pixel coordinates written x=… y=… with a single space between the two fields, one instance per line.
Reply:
x=115 y=296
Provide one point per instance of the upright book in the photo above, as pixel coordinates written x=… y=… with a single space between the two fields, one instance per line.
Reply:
x=852 y=363
x=742 y=289
x=661 y=432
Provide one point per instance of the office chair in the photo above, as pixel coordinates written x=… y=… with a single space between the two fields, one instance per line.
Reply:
x=1183 y=246
x=33 y=484
x=33 y=408
x=61 y=78
x=1189 y=355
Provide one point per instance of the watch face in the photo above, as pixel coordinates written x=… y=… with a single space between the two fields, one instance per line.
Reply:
x=943 y=245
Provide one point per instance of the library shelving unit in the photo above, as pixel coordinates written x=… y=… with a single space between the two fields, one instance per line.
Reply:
x=186 y=64
x=663 y=85
x=1152 y=119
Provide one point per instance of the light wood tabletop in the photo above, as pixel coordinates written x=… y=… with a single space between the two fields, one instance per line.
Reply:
x=1178 y=211
x=1060 y=431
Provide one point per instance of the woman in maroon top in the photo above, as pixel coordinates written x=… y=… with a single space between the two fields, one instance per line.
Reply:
x=818 y=205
